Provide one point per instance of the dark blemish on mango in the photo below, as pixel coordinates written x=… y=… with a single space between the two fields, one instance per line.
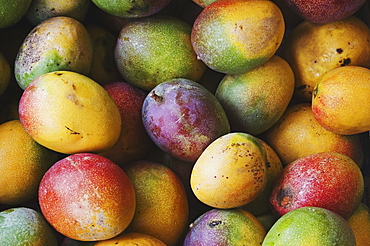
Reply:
x=339 y=51
x=345 y=62
x=156 y=97
x=72 y=132
x=213 y=224
x=284 y=197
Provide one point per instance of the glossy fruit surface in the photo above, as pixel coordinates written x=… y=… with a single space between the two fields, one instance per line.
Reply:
x=182 y=118
x=230 y=172
x=326 y=179
x=87 y=197
x=340 y=101
x=311 y=55
x=69 y=113
x=224 y=227
x=236 y=36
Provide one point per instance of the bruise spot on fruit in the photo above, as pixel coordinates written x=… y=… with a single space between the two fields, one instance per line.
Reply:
x=72 y=131
x=215 y=223
x=345 y=62
x=339 y=51
x=156 y=97
x=285 y=197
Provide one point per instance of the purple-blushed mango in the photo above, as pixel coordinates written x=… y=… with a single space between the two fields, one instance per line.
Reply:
x=182 y=118
x=225 y=227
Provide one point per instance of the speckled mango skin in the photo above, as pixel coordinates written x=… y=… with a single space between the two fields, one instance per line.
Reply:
x=235 y=36
x=155 y=49
x=87 y=197
x=58 y=43
x=25 y=226
x=254 y=101
x=314 y=49
x=225 y=227
x=326 y=179
x=230 y=172
x=324 y=11
x=311 y=226
x=261 y=204
x=341 y=102
x=69 y=113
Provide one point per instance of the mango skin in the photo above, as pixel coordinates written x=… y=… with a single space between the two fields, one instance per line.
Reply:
x=224 y=227
x=23 y=163
x=41 y=10
x=155 y=49
x=340 y=101
x=310 y=55
x=298 y=134
x=12 y=11
x=326 y=179
x=230 y=172
x=255 y=100
x=25 y=226
x=87 y=197
x=47 y=104
x=162 y=208
x=236 y=36
x=131 y=239
x=182 y=118
x=360 y=224
x=58 y=43
x=324 y=11
x=310 y=226
x=131 y=9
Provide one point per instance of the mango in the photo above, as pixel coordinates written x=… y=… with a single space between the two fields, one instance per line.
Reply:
x=58 y=43
x=255 y=100
x=236 y=36
x=225 y=227
x=341 y=102
x=230 y=172
x=310 y=226
x=298 y=134
x=310 y=53
x=70 y=113
x=25 y=226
